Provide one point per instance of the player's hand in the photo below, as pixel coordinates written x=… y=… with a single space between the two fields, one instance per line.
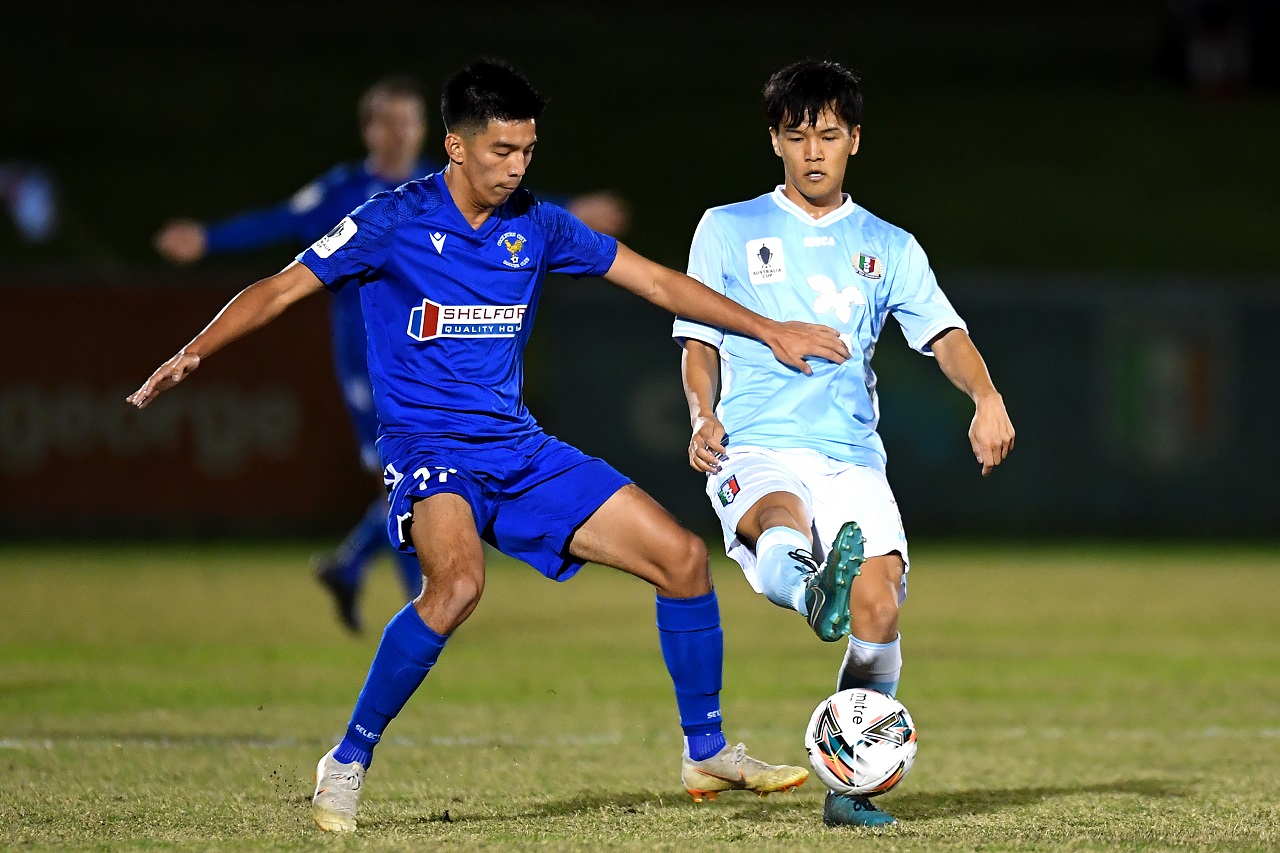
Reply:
x=706 y=448
x=991 y=433
x=181 y=241
x=169 y=374
x=793 y=341
x=601 y=211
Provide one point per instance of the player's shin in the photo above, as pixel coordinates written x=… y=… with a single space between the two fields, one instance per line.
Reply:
x=874 y=666
x=693 y=648
x=780 y=572
x=408 y=650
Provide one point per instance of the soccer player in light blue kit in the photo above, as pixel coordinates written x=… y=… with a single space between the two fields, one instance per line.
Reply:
x=449 y=270
x=795 y=469
x=393 y=125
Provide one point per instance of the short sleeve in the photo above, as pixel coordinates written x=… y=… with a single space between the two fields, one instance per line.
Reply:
x=706 y=264
x=357 y=247
x=916 y=301
x=572 y=248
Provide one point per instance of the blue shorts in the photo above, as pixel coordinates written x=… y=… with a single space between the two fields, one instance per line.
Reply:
x=528 y=496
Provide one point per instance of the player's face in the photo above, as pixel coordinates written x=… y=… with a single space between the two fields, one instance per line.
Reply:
x=394 y=130
x=814 y=156
x=494 y=160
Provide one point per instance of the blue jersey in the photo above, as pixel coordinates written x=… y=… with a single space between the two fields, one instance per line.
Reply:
x=849 y=270
x=449 y=308
x=302 y=219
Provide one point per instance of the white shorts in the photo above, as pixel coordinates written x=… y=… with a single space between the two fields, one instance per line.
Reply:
x=833 y=491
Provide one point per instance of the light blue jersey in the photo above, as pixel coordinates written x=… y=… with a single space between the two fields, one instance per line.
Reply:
x=849 y=270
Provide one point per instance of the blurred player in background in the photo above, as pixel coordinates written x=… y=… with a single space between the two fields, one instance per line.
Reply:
x=393 y=126
x=795 y=469
x=450 y=269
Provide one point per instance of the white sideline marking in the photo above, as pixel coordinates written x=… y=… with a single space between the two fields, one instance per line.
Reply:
x=470 y=741
x=201 y=742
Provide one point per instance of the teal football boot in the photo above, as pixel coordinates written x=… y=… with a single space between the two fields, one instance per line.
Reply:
x=848 y=810
x=826 y=593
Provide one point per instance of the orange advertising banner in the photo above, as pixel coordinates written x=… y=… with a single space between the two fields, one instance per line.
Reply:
x=256 y=440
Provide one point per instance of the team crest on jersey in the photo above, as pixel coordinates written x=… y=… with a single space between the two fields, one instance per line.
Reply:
x=335 y=239
x=432 y=320
x=868 y=266
x=515 y=244
x=728 y=491
x=765 y=264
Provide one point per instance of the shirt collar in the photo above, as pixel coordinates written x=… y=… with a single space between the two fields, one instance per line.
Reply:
x=780 y=198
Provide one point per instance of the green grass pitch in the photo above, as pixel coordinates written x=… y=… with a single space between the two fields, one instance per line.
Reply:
x=1097 y=697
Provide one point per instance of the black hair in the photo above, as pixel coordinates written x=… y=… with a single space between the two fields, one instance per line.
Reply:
x=398 y=86
x=797 y=95
x=487 y=90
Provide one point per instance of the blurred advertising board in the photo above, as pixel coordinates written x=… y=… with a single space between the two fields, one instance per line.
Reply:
x=256 y=441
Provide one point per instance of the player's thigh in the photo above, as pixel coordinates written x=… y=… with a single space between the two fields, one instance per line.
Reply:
x=444 y=535
x=632 y=532
x=449 y=550
x=758 y=488
x=861 y=494
x=776 y=509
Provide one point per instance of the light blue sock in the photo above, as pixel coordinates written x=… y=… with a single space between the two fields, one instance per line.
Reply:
x=782 y=576
x=875 y=666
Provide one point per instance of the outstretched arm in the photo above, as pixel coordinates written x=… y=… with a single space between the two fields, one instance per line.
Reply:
x=252 y=308
x=700 y=373
x=991 y=432
x=791 y=342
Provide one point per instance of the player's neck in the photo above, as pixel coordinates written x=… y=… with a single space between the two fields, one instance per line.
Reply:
x=815 y=207
x=464 y=198
x=391 y=170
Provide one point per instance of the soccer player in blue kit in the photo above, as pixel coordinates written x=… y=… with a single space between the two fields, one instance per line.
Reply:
x=392 y=125
x=794 y=465
x=449 y=270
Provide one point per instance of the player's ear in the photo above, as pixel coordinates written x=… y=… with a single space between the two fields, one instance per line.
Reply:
x=454 y=148
x=773 y=137
x=856 y=135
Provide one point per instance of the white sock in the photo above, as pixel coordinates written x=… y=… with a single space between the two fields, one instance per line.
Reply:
x=782 y=576
x=875 y=666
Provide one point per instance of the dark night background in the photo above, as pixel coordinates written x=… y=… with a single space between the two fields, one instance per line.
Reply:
x=1095 y=184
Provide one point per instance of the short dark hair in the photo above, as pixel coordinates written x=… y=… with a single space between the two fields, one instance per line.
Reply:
x=397 y=86
x=488 y=90
x=797 y=95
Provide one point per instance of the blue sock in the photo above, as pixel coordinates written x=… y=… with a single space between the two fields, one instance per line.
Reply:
x=410 y=573
x=364 y=540
x=408 y=650
x=875 y=666
x=693 y=648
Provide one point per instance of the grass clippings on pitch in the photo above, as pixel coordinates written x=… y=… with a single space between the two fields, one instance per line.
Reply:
x=1083 y=698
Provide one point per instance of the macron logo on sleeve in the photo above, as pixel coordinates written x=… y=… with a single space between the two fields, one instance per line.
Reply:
x=335 y=239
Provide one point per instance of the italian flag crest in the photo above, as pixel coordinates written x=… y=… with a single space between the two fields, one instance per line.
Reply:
x=868 y=266
x=728 y=491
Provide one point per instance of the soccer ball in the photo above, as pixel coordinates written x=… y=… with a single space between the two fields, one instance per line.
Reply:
x=861 y=742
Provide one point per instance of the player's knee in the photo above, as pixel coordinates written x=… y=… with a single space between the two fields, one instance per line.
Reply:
x=687 y=572
x=458 y=583
x=875 y=616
